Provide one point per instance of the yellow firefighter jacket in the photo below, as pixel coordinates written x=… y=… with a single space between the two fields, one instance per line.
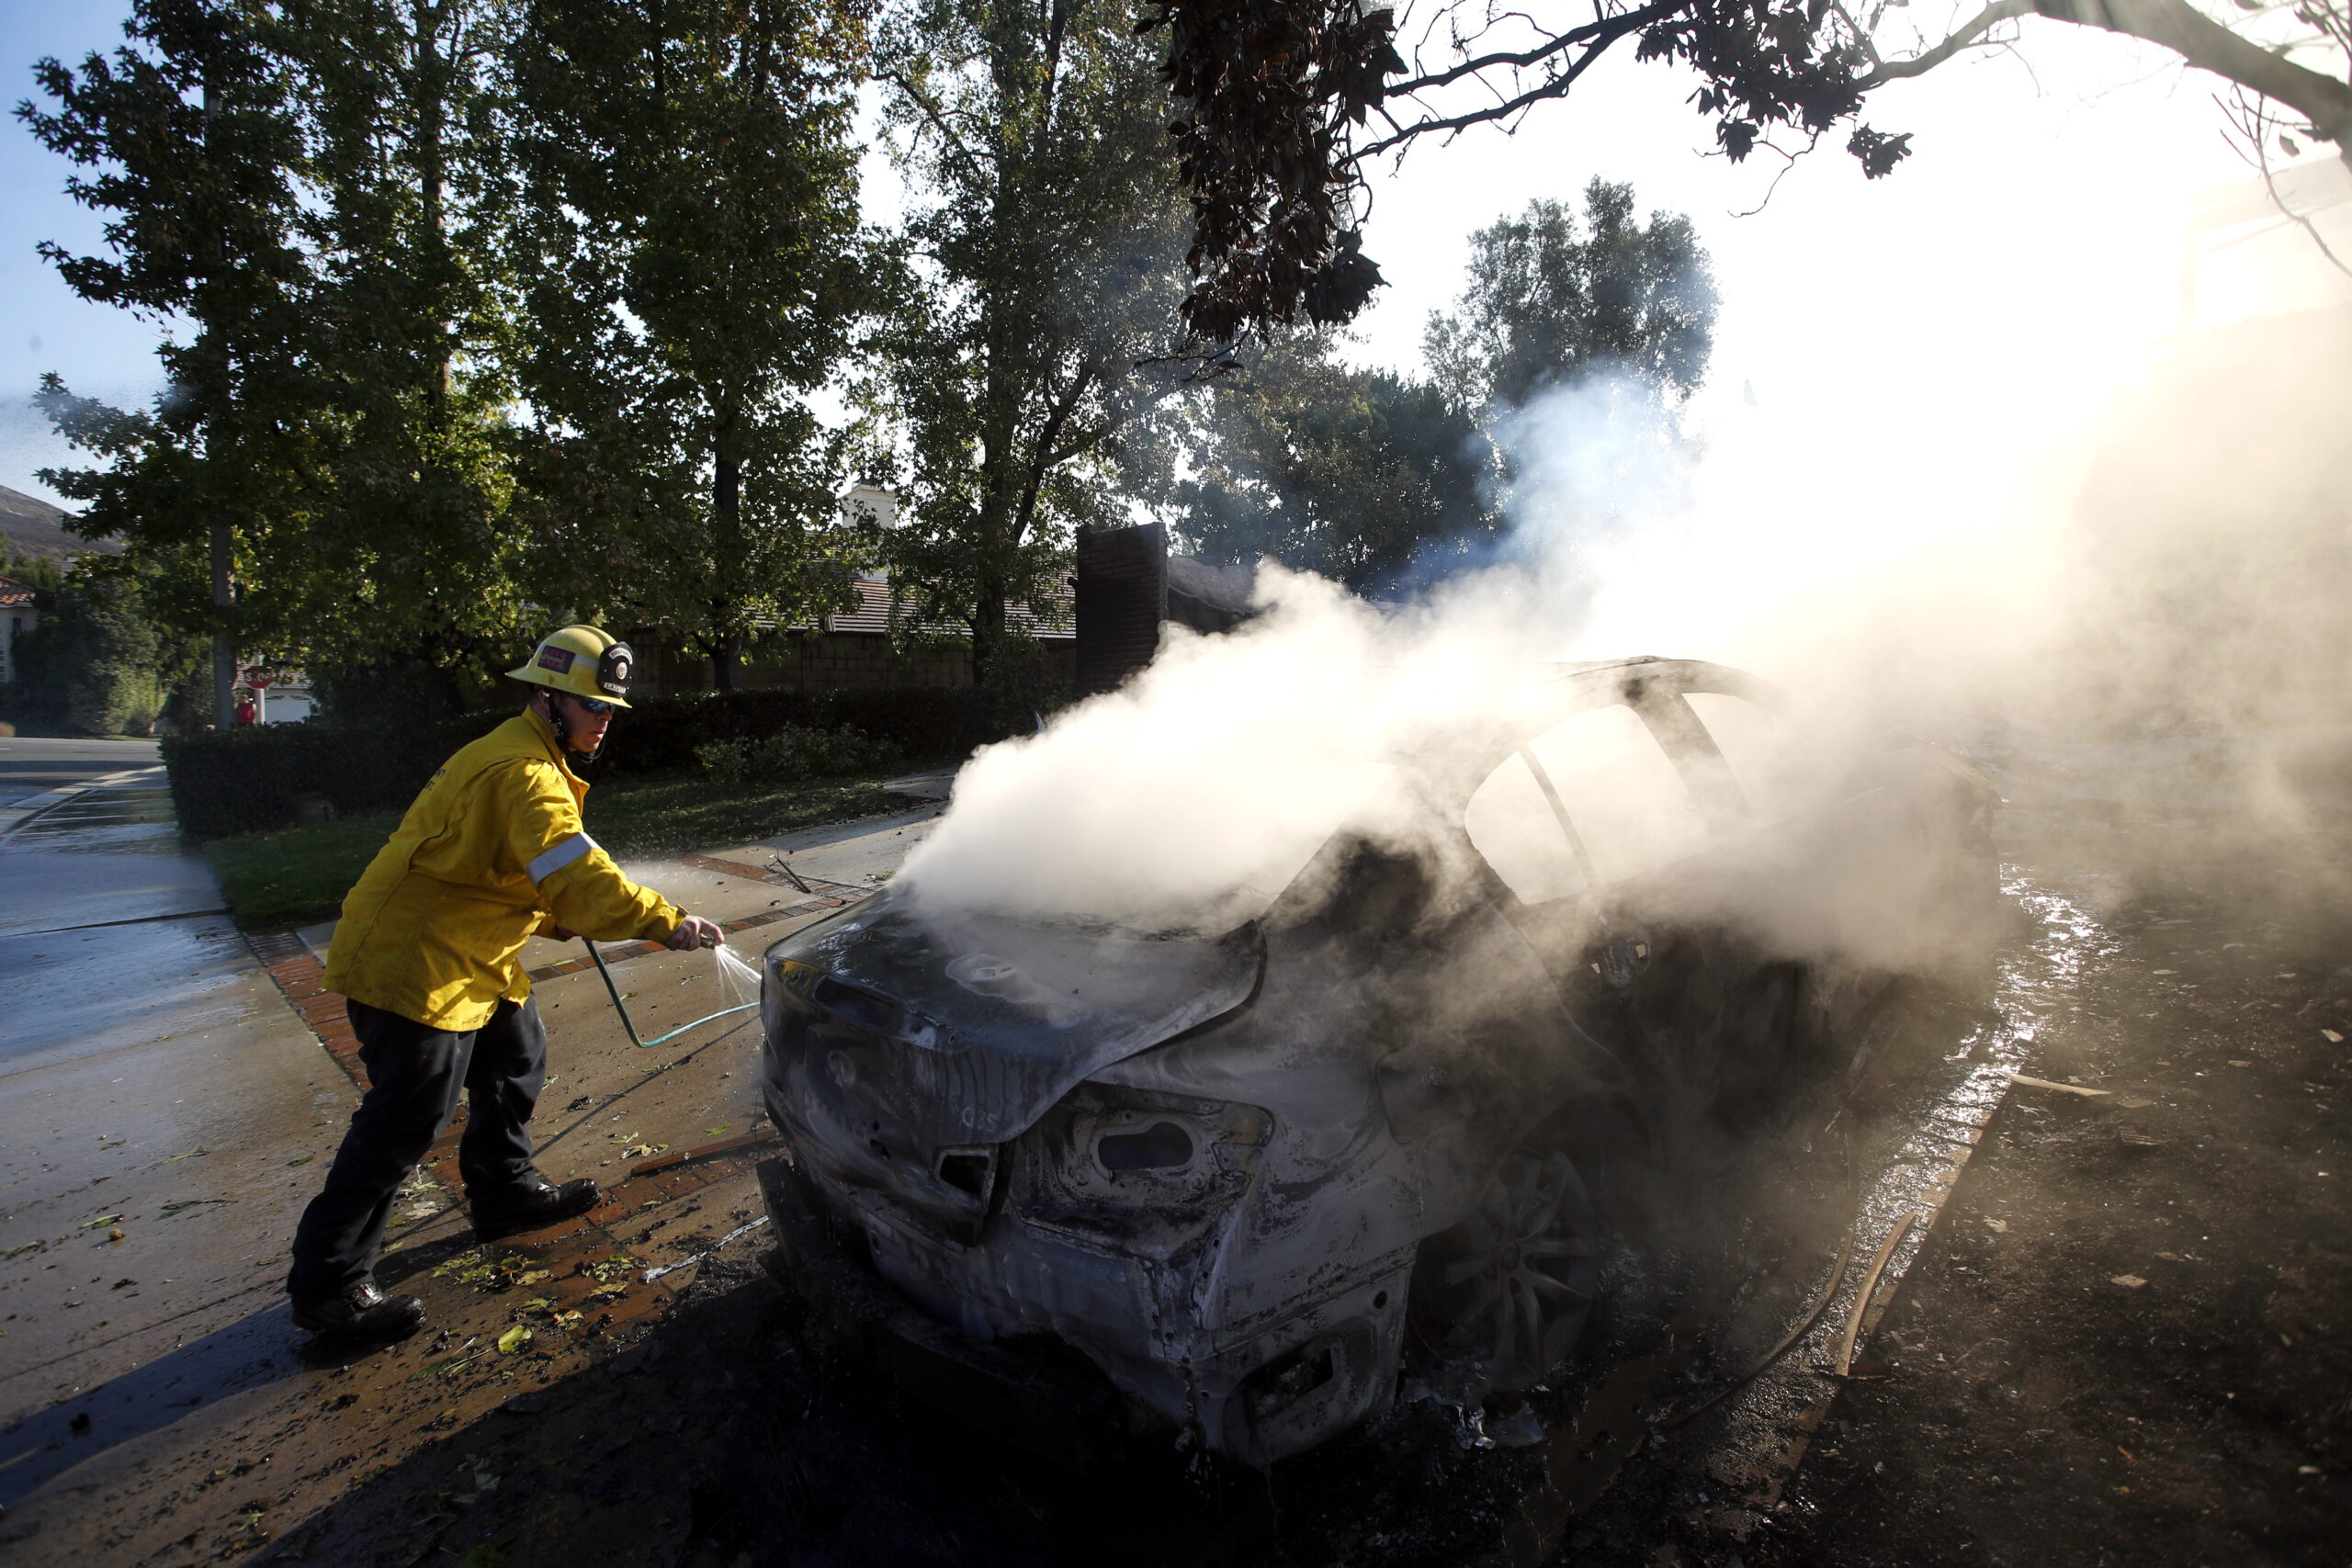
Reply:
x=489 y=850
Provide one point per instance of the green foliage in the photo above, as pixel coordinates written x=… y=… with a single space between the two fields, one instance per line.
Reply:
x=187 y=145
x=796 y=751
x=411 y=554
x=247 y=778
x=40 y=573
x=689 y=233
x=97 y=663
x=1020 y=391
x=1023 y=685
x=1359 y=475
x=1383 y=481
x=314 y=188
x=1545 y=302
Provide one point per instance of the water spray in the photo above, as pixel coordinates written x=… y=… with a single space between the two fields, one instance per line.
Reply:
x=733 y=973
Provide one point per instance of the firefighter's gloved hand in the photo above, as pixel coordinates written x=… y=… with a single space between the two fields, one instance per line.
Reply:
x=694 y=931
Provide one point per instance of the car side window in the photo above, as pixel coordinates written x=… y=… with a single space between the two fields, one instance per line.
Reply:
x=1764 y=754
x=1626 y=801
x=1511 y=825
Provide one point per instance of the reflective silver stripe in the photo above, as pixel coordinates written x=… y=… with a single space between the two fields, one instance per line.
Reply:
x=562 y=855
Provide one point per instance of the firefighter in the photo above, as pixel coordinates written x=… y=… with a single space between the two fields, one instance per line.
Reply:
x=426 y=955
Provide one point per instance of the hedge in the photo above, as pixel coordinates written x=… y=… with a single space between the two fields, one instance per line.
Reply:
x=248 y=779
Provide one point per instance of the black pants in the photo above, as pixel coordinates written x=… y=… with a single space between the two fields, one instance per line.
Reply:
x=413 y=1076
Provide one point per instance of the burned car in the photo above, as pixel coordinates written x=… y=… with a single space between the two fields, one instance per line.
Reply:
x=1221 y=1184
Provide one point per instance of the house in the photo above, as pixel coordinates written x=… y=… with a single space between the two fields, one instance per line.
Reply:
x=17 y=618
x=879 y=642
x=281 y=692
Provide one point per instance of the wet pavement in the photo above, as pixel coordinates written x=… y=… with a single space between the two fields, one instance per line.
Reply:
x=172 y=1103
x=155 y=1089
x=636 y=1389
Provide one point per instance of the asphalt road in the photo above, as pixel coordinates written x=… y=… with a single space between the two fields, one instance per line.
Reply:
x=30 y=766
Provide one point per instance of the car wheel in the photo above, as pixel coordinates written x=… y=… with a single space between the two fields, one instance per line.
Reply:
x=1510 y=1287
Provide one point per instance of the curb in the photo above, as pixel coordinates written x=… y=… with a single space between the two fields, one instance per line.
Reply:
x=14 y=817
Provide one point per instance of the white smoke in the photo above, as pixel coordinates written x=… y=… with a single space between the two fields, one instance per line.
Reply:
x=2091 y=578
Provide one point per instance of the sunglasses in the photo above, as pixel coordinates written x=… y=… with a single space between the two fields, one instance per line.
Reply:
x=592 y=705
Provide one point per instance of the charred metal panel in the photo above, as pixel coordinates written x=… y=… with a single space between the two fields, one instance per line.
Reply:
x=964 y=1031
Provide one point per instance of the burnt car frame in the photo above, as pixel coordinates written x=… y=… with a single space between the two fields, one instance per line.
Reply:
x=1223 y=1185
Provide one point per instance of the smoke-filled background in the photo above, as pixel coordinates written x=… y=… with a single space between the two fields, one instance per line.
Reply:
x=2138 y=608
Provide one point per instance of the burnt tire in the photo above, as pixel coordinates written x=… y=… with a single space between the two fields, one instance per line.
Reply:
x=1510 y=1287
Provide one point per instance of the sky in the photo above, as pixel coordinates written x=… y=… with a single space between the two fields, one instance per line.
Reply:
x=100 y=351
x=1971 y=312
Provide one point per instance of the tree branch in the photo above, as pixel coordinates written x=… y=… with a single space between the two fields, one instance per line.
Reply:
x=1597 y=36
x=1976 y=28
x=1044 y=459
x=931 y=112
x=1566 y=41
x=2208 y=45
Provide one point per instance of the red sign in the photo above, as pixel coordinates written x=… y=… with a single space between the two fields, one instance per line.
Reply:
x=258 y=678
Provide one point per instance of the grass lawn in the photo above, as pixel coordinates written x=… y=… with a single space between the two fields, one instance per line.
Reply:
x=302 y=873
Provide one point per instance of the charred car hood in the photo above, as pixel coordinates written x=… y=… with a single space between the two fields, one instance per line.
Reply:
x=965 y=1029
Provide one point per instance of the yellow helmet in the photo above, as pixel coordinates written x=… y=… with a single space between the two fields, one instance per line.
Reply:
x=583 y=660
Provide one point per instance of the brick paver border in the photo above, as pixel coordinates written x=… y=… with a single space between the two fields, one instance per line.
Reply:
x=566 y=1249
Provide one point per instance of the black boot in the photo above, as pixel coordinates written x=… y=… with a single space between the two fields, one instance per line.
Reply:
x=363 y=1312
x=537 y=1203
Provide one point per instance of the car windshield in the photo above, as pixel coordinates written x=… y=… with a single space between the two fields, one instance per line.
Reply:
x=1591 y=801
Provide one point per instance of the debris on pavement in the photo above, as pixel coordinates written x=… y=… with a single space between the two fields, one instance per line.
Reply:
x=1522 y=1429
x=652 y=1274
x=2025 y=1080
x=2128 y=1282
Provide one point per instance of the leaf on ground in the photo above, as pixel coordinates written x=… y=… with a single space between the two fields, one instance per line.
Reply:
x=101 y=1220
x=514 y=1339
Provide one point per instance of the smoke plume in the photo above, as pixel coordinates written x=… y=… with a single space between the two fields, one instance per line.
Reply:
x=2145 y=608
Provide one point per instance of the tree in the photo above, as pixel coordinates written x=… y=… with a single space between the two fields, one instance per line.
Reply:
x=99 y=662
x=332 y=440
x=409 y=576
x=1022 y=391
x=1284 y=103
x=1385 y=482
x=1365 y=476
x=696 y=268
x=189 y=144
x=1543 y=304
